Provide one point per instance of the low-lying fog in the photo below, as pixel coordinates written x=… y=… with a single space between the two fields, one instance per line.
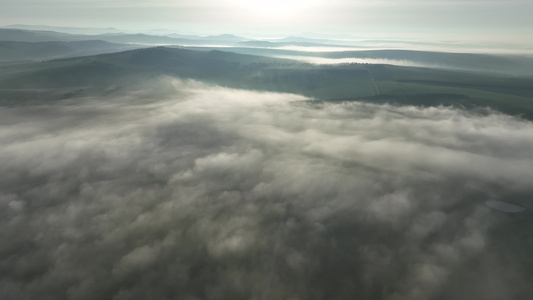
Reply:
x=312 y=46
x=515 y=65
x=357 y=60
x=188 y=191
x=443 y=46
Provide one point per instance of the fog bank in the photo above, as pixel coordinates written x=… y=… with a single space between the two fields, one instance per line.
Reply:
x=199 y=192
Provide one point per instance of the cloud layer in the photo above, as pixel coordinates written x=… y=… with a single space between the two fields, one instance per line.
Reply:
x=212 y=193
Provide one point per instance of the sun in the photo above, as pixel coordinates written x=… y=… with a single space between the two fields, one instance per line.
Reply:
x=279 y=5
x=282 y=7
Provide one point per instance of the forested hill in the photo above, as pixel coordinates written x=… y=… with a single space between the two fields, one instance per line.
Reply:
x=343 y=82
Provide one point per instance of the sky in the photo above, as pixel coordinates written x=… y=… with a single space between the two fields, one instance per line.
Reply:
x=455 y=19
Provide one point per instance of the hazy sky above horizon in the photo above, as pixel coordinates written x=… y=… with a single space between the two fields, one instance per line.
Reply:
x=452 y=19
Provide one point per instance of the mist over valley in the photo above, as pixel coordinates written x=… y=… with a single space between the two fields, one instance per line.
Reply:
x=209 y=192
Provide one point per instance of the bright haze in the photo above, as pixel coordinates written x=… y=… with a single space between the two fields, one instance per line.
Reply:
x=486 y=20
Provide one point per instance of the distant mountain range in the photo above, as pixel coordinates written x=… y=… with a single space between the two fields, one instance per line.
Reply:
x=72 y=30
x=41 y=33
x=22 y=44
x=115 y=31
x=19 y=44
x=24 y=35
x=271 y=44
x=299 y=39
x=22 y=51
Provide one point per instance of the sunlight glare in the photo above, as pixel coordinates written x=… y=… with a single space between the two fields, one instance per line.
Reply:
x=279 y=7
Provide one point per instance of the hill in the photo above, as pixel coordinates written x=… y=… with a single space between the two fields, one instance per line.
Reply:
x=363 y=82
